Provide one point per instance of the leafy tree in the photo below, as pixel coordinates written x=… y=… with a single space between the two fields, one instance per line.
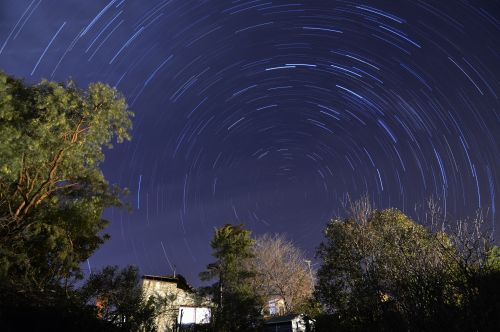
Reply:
x=387 y=273
x=476 y=269
x=493 y=258
x=484 y=313
x=121 y=300
x=478 y=276
x=281 y=271
x=237 y=307
x=52 y=191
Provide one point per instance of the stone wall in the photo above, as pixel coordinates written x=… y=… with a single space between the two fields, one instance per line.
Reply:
x=176 y=297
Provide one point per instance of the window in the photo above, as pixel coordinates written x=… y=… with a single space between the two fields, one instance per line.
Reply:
x=273 y=310
x=192 y=315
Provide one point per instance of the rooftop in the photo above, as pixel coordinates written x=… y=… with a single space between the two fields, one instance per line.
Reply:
x=177 y=279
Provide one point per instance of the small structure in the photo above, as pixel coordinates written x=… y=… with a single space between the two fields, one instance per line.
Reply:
x=289 y=323
x=184 y=307
x=275 y=307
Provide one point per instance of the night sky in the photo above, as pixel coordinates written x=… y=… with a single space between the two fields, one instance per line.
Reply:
x=269 y=113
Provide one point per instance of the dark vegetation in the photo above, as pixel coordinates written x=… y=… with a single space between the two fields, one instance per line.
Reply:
x=52 y=196
x=382 y=271
x=379 y=270
x=237 y=305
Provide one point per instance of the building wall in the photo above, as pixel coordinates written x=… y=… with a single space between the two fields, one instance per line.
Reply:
x=179 y=297
x=275 y=307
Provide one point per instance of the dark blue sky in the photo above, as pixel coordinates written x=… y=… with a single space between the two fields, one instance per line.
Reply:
x=268 y=113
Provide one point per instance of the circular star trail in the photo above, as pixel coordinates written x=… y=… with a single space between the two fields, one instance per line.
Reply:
x=269 y=113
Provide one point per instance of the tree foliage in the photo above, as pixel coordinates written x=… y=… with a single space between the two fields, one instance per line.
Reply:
x=281 y=271
x=386 y=272
x=56 y=310
x=237 y=307
x=52 y=191
x=121 y=300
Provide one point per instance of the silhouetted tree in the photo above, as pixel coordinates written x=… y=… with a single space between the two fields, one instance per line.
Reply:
x=120 y=299
x=237 y=306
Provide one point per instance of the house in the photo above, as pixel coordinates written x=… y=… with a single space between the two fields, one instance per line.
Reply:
x=183 y=307
x=275 y=306
x=289 y=323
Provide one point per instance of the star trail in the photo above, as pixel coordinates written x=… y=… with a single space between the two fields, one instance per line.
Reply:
x=269 y=113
